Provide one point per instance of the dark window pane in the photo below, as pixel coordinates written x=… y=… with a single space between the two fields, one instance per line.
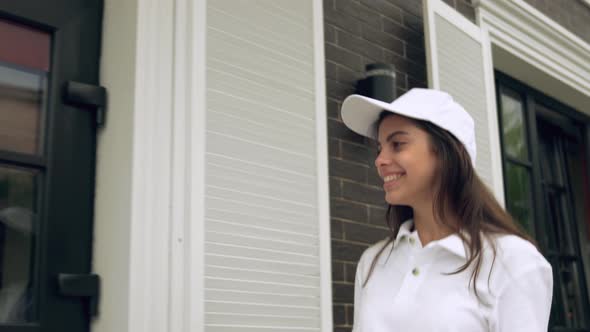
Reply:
x=559 y=233
x=551 y=163
x=571 y=297
x=513 y=125
x=577 y=167
x=22 y=95
x=518 y=195
x=17 y=242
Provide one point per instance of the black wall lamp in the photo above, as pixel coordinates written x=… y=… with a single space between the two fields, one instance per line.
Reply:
x=379 y=82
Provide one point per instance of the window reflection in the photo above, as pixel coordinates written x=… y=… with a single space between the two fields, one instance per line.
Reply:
x=21 y=108
x=17 y=243
x=513 y=125
x=518 y=195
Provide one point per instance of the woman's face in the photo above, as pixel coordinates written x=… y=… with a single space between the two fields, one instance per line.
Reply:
x=405 y=162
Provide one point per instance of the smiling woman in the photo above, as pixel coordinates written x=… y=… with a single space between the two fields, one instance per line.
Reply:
x=453 y=252
x=408 y=146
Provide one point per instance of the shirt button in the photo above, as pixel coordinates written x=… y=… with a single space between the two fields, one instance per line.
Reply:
x=415 y=271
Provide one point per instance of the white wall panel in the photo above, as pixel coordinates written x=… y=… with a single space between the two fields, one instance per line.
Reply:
x=461 y=71
x=460 y=63
x=262 y=231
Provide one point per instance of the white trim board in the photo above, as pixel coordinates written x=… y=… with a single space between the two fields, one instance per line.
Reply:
x=533 y=48
x=195 y=226
x=186 y=312
x=151 y=168
x=167 y=209
x=322 y=169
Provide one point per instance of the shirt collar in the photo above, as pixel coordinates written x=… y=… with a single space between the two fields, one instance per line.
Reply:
x=404 y=231
x=452 y=243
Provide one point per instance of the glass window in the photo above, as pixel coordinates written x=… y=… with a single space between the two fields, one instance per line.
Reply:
x=17 y=243
x=569 y=289
x=513 y=125
x=518 y=195
x=24 y=67
x=554 y=171
x=29 y=47
x=24 y=71
x=22 y=95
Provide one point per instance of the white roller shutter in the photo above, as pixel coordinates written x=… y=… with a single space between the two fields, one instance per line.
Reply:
x=262 y=221
x=459 y=62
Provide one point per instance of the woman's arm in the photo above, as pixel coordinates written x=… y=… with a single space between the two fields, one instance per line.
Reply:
x=358 y=284
x=524 y=303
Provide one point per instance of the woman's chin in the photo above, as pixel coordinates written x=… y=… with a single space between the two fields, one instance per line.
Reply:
x=394 y=198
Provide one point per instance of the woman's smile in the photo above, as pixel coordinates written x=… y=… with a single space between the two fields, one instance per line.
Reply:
x=392 y=180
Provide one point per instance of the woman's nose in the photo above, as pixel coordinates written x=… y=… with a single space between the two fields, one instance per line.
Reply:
x=382 y=159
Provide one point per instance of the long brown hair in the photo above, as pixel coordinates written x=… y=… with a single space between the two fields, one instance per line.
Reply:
x=460 y=189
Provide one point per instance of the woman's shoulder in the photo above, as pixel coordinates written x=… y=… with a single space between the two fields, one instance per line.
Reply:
x=511 y=246
x=515 y=255
x=371 y=252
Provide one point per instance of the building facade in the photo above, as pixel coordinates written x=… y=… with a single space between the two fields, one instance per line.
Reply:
x=358 y=33
x=215 y=188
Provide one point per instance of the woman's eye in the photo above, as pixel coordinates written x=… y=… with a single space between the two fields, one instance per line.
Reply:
x=398 y=144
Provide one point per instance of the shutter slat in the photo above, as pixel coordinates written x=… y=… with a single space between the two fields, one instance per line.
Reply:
x=249 y=151
x=264 y=213
x=258 y=134
x=261 y=264
x=247 y=230
x=246 y=252
x=255 y=286
x=263 y=276
x=258 y=309
x=262 y=298
x=259 y=242
x=255 y=320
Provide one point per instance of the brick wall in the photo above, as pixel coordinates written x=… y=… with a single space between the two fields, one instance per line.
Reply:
x=358 y=32
x=573 y=15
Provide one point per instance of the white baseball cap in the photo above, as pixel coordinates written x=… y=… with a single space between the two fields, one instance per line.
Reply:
x=361 y=114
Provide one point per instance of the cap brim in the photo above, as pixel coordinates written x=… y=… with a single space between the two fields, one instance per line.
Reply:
x=360 y=114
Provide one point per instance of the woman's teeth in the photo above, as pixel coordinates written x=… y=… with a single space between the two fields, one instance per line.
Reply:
x=392 y=177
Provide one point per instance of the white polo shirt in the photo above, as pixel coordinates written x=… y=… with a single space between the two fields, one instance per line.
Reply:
x=407 y=291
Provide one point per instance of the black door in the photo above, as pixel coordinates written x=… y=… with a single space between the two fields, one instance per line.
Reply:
x=47 y=162
x=563 y=184
x=545 y=152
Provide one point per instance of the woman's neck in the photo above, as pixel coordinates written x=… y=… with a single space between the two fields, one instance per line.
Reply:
x=429 y=229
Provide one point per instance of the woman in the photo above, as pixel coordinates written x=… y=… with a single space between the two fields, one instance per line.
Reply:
x=454 y=259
